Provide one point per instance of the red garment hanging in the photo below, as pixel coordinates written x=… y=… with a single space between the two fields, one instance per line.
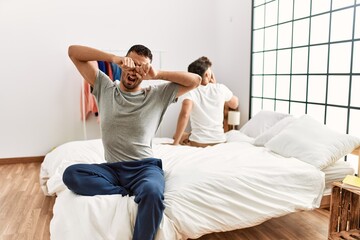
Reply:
x=89 y=105
x=88 y=102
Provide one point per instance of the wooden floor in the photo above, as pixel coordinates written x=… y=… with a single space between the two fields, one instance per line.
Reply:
x=309 y=225
x=25 y=213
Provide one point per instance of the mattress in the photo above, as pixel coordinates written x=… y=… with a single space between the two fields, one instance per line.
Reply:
x=336 y=172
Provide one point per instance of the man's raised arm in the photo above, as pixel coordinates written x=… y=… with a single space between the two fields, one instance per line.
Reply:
x=186 y=80
x=83 y=56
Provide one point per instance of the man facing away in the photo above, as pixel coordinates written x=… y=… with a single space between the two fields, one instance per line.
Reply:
x=129 y=118
x=204 y=106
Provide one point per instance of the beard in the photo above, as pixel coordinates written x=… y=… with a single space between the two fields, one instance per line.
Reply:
x=130 y=83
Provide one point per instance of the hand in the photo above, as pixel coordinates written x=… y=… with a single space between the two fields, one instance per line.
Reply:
x=212 y=78
x=125 y=63
x=171 y=144
x=146 y=72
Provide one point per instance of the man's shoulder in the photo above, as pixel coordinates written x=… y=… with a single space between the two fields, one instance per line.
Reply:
x=163 y=90
x=158 y=85
x=215 y=86
x=221 y=86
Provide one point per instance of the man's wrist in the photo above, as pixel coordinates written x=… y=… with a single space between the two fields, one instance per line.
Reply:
x=160 y=75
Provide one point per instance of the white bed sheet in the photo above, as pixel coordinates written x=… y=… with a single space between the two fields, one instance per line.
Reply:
x=335 y=173
x=221 y=188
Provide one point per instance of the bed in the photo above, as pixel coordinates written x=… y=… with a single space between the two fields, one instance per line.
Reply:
x=267 y=169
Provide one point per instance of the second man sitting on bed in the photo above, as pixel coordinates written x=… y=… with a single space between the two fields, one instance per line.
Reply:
x=204 y=106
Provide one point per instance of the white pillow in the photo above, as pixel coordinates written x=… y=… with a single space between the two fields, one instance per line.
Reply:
x=237 y=136
x=262 y=121
x=312 y=142
x=273 y=131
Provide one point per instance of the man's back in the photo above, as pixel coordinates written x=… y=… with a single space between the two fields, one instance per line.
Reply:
x=206 y=117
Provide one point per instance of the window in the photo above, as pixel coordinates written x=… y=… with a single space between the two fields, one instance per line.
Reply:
x=305 y=60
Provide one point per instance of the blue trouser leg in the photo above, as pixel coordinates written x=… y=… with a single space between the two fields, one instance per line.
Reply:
x=92 y=179
x=144 y=179
x=148 y=187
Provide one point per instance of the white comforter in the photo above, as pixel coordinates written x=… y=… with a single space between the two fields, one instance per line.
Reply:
x=225 y=187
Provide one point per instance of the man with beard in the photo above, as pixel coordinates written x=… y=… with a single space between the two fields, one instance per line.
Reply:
x=129 y=118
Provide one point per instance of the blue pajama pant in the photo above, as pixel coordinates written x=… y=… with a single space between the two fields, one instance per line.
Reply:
x=143 y=178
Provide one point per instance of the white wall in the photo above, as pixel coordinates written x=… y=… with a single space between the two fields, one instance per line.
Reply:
x=40 y=88
x=233 y=50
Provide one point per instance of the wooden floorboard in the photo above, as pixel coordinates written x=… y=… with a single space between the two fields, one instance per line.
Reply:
x=25 y=213
x=306 y=225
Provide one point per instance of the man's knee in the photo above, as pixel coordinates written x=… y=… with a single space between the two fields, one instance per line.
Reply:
x=69 y=176
x=151 y=193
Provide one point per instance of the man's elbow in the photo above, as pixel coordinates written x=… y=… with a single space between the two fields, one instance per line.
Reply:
x=71 y=51
x=236 y=101
x=233 y=103
x=197 y=81
x=185 y=115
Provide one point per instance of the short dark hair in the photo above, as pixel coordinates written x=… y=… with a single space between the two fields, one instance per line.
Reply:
x=200 y=65
x=141 y=50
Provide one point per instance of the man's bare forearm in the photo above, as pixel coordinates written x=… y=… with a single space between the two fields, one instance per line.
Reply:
x=85 y=54
x=180 y=128
x=185 y=79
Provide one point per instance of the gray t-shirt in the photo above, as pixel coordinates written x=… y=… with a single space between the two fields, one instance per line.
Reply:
x=129 y=121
